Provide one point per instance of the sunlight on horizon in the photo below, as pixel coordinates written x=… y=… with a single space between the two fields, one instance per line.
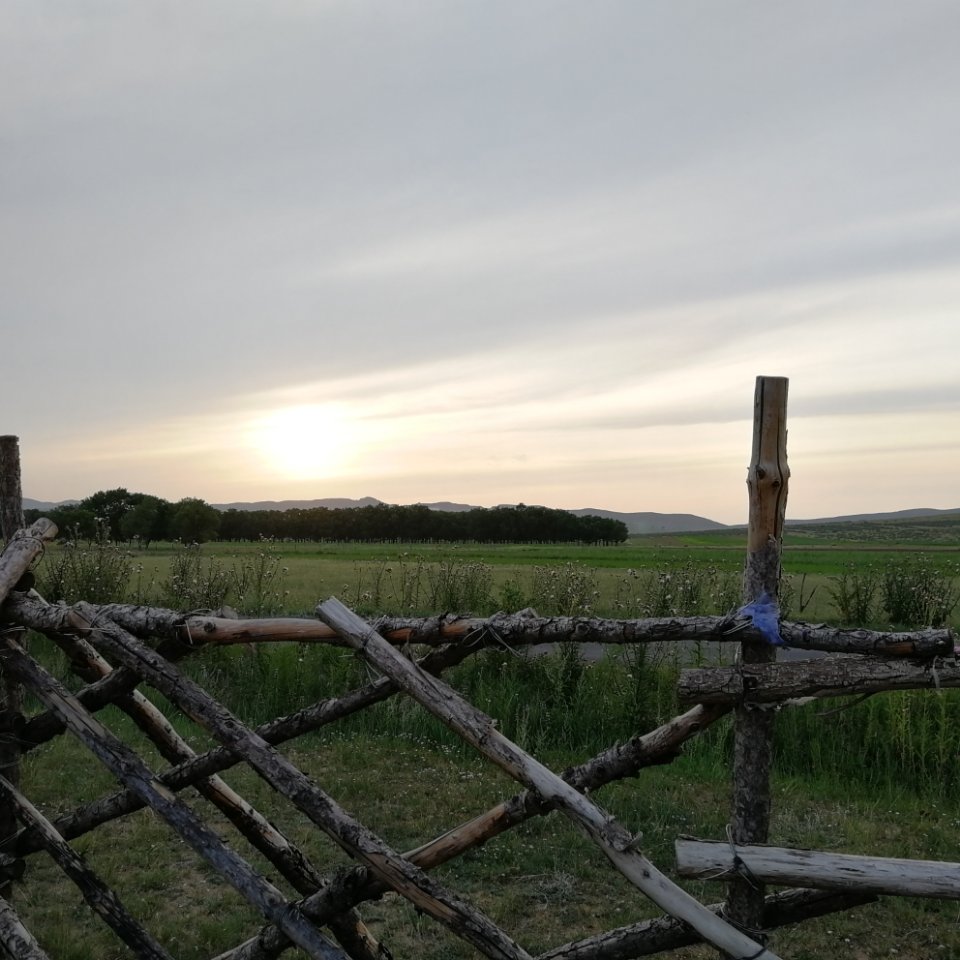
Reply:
x=305 y=442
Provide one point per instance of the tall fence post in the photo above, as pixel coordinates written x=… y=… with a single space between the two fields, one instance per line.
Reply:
x=11 y=692
x=753 y=728
x=11 y=497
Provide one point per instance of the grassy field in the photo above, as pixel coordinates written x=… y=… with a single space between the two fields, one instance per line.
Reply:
x=408 y=778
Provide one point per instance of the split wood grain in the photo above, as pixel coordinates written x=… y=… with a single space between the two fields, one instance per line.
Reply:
x=710 y=859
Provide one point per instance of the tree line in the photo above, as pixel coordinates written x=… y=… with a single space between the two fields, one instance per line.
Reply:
x=125 y=517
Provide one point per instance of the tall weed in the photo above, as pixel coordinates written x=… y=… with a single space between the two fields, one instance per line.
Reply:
x=98 y=572
x=918 y=592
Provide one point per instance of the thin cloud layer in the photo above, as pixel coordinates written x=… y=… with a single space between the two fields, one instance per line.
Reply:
x=532 y=245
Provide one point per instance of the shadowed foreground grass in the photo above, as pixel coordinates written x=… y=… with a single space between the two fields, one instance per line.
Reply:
x=542 y=882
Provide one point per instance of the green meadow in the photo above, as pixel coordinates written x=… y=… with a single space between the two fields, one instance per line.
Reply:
x=880 y=776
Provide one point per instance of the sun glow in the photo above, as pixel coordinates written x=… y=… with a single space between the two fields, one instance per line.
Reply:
x=304 y=442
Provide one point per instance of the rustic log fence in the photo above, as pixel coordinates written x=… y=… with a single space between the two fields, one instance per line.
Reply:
x=116 y=648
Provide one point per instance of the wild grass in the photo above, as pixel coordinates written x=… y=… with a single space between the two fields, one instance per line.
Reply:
x=879 y=776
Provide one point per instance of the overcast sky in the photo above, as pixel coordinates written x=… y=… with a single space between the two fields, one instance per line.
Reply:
x=487 y=251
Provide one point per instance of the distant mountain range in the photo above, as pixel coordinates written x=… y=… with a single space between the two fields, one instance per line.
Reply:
x=641 y=522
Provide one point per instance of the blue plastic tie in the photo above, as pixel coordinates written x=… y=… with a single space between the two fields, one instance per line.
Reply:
x=765 y=614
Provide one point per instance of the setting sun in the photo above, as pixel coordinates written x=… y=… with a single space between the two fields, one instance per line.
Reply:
x=303 y=442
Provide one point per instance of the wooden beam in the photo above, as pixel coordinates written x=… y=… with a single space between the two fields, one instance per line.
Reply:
x=763 y=683
x=131 y=770
x=401 y=875
x=515 y=630
x=713 y=860
x=666 y=933
x=480 y=731
x=767 y=481
x=11 y=495
x=102 y=900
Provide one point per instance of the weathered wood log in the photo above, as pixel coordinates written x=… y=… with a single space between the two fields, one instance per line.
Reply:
x=15 y=938
x=622 y=760
x=97 y=894
x=767 y=482
x=668 y=933
x=514 y=630
x=11 y=495
x=713 y=860
x=292 y=863
x=479 y=730
x=218 y=759
x=21 y=550
x=401 y=875
x=762 y=683
x=130 y=769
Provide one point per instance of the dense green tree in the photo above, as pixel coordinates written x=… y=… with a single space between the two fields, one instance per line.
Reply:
x=194 y=521
x=146 y=520
x=74 y=522
x=109 y=507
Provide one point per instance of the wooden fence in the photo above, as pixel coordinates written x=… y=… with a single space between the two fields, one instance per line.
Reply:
x=116 y=648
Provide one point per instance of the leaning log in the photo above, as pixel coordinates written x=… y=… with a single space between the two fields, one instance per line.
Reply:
x=759 y=683
x=130 y=769
x=667 y=933
x=401 y=875
x=21 y=550
x=98 y=895
x=15 y=938
x=480 y=731
x=289 y=859
x=716 y=860
x=354 y=885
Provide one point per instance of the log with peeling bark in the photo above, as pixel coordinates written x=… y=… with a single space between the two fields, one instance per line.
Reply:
x=15 y=938
x=218 y=759
x=768 y=683
x=130 y=769
x=97 y=894
x=264 y=836
x=515 y=629
x=401 y=875
x=712 y=860
x=622 y=760
x=767 y=483
x=21 y=550
x=667 y=933
x=11 y=495
x=479 y=730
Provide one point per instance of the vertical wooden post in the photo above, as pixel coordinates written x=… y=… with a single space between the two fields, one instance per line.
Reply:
x=11 y=497
x=753 y=729
x=11 y=692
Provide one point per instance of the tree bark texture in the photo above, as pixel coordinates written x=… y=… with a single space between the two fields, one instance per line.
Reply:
x=127 y=767
x=15 y=938
x=401 y=875
x=479 y=730
x=289 y=860
x=767 y=481
x=98 y=895
x=710 y=859
x=770 y=683
x=11 y=496
x=515 y=630
x=668 y=933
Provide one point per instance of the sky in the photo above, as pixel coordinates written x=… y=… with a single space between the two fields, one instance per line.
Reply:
x=487 y=251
